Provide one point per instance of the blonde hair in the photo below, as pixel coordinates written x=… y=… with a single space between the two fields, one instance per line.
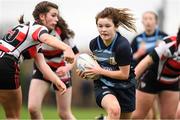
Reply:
x=153 y=13
x=120 y=17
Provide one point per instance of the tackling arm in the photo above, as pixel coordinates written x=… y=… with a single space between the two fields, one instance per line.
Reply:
x=143 y=65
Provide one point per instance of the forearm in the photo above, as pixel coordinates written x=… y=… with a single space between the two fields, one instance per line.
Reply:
x=136 y=56
x=115 y=74
x=45 y=69
x=54 y=42
x=143 y=65
x=58 y=44
x=48 y=73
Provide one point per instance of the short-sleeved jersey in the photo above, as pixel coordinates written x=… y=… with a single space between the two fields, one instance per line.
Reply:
x=150 y=42
x=118 y=53
x=21 y=38
x=53 y=56
x=166 y=59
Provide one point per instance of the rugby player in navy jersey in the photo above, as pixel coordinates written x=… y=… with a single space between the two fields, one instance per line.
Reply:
x=115 y=89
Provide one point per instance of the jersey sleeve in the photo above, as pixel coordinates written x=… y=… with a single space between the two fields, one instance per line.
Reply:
x=134 y=45
x=92 y=45
x=124 y=54
x=37 y=31
x=162 y=51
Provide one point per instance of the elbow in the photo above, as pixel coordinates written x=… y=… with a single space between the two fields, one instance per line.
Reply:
x=124 y=77
x=149 y=63
x=45 y=41
x=137 y=77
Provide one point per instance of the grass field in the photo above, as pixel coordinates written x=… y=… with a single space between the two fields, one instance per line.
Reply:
x=50 y=113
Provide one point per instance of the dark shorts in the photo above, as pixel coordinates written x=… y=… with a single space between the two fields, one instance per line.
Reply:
x=125 y=97
x=9 y=73
x=39 y=76
x=150 y=84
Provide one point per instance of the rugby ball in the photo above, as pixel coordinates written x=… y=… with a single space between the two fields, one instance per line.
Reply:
x=83 y=62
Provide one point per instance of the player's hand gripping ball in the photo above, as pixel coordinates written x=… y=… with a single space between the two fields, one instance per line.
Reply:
x=84 y=62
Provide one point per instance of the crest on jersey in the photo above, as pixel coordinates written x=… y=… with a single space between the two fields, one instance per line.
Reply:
x=112 y=61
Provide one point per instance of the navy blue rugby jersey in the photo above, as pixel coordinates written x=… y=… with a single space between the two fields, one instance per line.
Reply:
x=150 y=41
x=118 y=53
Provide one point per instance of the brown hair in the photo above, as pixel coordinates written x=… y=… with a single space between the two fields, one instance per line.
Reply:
x=40 y=8
x=120 y=17
x=43 y=7
x=66 y=32
x=21 y=19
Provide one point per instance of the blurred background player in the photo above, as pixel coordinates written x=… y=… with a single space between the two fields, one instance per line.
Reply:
x=21 y=42
x=40 y=84
x=161 y=77
x=145 y=42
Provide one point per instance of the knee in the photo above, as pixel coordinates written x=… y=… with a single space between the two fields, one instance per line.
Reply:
x=114 y=111
x=168 y=116
x=178 y=116
x=12 y=115
x=35 y=112
x=178 y=112
x=138 y=115
x=65 y=115
x=33 y=109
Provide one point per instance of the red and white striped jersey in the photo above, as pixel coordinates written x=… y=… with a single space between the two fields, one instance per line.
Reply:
x=168 y=55
x=21 y=38
x=53 y=56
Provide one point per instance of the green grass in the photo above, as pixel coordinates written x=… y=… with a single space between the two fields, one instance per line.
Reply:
x=49 y=112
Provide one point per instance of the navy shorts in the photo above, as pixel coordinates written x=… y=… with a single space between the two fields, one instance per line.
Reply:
x=150 y=84
x=125 y=97
x=39 y=76
x=9 y=73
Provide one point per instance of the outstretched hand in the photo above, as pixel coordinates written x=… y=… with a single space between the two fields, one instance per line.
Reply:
x=61 y=87
x=69 y=56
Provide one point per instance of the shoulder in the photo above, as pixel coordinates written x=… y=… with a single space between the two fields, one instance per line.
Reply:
x=122 y=42
x=162 y=33
x=94 y=40
x=137 y=36
x=166 y=47
x=36 y=30
x=170 y=39
x=93 y=43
